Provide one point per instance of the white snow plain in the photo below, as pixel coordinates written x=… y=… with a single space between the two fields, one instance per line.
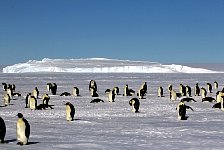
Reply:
x=99 y=65
x=113 y=126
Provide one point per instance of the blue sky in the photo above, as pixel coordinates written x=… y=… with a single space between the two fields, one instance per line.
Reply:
x=166 y=31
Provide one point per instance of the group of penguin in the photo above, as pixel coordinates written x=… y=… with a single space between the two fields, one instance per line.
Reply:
x=23 y=127
x=185 y=92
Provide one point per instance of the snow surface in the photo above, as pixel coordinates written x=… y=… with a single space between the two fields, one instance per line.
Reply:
x=113 y=126
x=99 y=65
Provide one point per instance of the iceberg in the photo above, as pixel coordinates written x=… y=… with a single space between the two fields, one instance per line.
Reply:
x=99 y=65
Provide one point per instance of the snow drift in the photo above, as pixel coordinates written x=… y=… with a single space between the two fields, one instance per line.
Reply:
x=99 y=65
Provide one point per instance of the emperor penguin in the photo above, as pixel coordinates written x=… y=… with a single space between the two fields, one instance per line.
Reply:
x=92 y=84
x=93 y=92
x=111 y=96
x=116 y=90
x=45 y=99
x=219 y=96
x=36 y=92
x=4 y=86
x=126 y=91
x=54 y=88
x=144 y=87
x=33 y=103
x=170 y=87
x=9 y=92
x=160 y=91
x=203 y=92
x=197 y=90
x=49 y=85
x=141 y=93
x=182 y=90
x=22 y=130
x=27 y=100
x=216 y=85
x=181 y=109
x=173 y=95
x=70 y=111
x=6 y=99
x=2 y=130
x=75 y=91
x=188 y=91
x=209 y=87
x=135 y=103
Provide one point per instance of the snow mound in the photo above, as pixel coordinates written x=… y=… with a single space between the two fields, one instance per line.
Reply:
x=99 y=65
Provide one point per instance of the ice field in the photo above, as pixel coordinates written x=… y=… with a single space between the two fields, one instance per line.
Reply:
x=113 y=125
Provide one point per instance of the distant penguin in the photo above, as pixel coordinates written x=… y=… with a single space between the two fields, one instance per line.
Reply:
x=27 y=100
x=144 y=87
x=36 y=93
x=2 y=130
x=216 y=85
x=111 y=96
x=54 y=88
x=203 y=92
x=92 y=84
x=97 y=100
x=6 y=99
x=208 y=99
x=181 y=109
x=116 y=90
x=93 y=92
x=22 y=130
x=4 y=86
x=126 y=91
x=170 y=87
x=182 y=90
x=209 y=87
x=75 y=91
x=45 y=99
x=173 y=95
x=33 y=103
x=141 y=93
x=188 y=91
x=65 y=94
x=188 y=99
x=160 y=91
x=70 y=111
x=9 y=92
x=49 y=85
x=197 y=90
x=135 y=103
x=219 y=96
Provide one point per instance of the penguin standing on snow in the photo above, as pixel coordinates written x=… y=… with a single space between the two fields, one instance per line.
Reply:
x=216 y=85
x=33 y=103
x=197 y=90
x=160 y=91
x=173 y=95
x=181 y=109
x=6 y=99
x=111 y=96
x=22 y=130
x=188 y=91
x=2 y=130
x=27 y=100
x=203 y=92
x=92 y=84
x=134 y=102
x=36 y=92
x=75 y=91
x=209 y=87
x=70 y=111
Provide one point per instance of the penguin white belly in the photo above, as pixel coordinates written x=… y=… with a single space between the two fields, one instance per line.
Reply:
x=21 y=137
x=68 y=115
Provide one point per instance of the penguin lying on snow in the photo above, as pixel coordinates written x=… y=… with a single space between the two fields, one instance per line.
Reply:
x=65 y=94
x=97 y=100
x=188 y=99
x=22 y=130
x=208 y=99
x=2 y=130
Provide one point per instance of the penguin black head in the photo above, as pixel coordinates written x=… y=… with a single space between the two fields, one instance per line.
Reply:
x=68 y=103
x=20 y=115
